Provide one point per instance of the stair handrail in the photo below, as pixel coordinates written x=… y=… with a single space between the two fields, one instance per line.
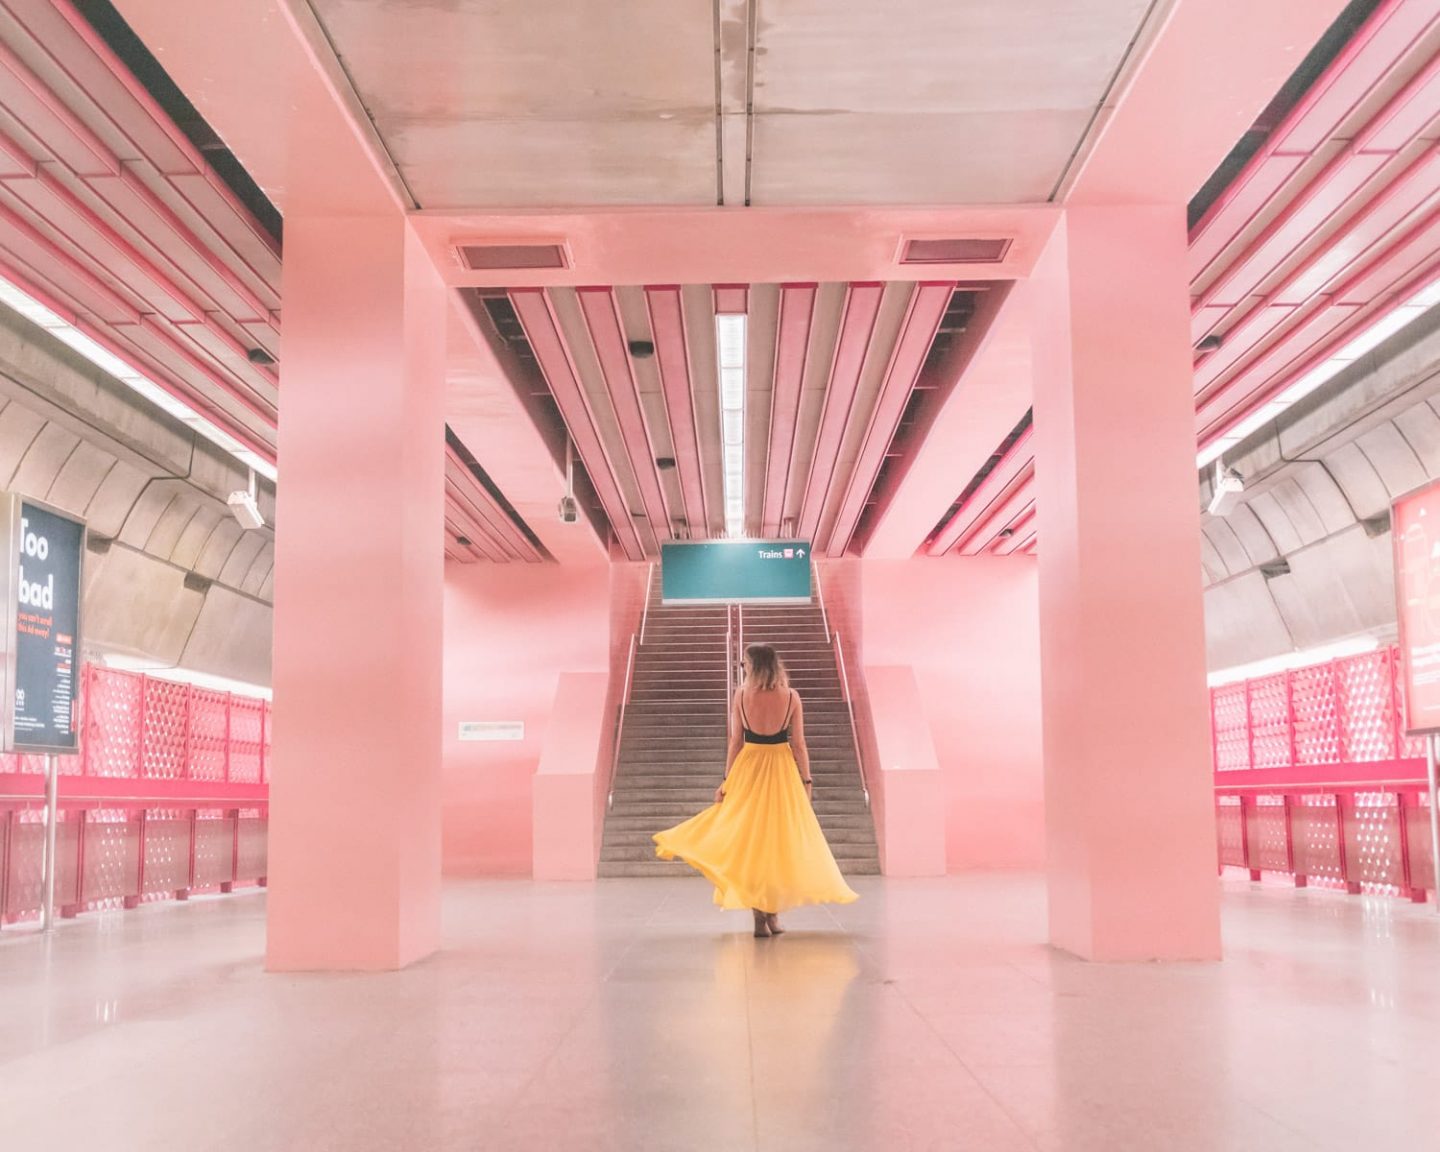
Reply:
x=820 y=595
x=729 y=662
x=645 y=612
x=850 y=709
x=620 y=721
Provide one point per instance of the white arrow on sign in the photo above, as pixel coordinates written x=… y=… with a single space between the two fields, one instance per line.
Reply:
x=800 y=552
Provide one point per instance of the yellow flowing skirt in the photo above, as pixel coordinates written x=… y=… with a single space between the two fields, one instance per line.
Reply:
x=761 y=846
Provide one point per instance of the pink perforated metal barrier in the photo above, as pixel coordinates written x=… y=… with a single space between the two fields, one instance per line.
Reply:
x=1316 y=779
x=169 y=796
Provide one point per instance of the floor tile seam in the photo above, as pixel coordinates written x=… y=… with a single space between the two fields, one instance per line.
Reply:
x=750 y=1050
x=1005 y=1110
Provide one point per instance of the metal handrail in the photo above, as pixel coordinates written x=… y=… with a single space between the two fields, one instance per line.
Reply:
x=729 y=662
x=620 y=723
x=850 y=708
x=645 y=612
x=820 y=595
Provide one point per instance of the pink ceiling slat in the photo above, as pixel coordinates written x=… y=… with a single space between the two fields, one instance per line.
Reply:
x=156 y=115
x=1332 y=189
x=672 y=354
x=103 y=157
x=1017 y=504
x=602 y=320
x=1028 y=548
x=917 y=332
x=857 y=327
x=542 y=330
x=731 y=299
x=76 y=267
x=1017 y=463
x=792 y=348
x=1022 y=531
x=1240 y=344
x=1369 y=55
x=470 y=496
x=460 y=522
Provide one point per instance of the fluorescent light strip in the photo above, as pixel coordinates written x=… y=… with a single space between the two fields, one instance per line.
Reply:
x=730 y=360
x=60 y=328
x=1368 y=340
x=1355 y=646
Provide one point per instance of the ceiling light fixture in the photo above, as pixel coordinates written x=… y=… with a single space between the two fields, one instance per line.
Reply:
x=1369 y=338
x=60 y=328
x=730 y=360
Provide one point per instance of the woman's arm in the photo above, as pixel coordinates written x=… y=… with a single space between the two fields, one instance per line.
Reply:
x=737 y=741
x=797 y=744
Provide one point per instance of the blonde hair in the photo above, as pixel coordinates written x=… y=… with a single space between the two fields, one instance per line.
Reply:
x=764 y=669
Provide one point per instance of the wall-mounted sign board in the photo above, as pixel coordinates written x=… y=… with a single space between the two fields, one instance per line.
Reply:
x=492 y=730
x=1415 y=531
x=735 y=572
x=41 y=550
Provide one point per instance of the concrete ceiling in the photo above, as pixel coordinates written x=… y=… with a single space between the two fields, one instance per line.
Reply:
x=771 y=102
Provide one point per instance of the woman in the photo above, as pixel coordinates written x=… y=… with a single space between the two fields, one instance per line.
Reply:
x=759 y=843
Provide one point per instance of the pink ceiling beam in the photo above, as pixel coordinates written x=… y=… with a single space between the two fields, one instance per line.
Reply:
x=1017 y=506
x=672 y=355
x=1358 y=317
x=1022 y=531
x=1017 y=463
x=917 y=333
x=1302 y=289
x=542 y=330
x=792 y=347
x=460 y=522
x=1349 y=79
x=607 y=334
x=470 y=496
x=1342 y=179
x=857 y=328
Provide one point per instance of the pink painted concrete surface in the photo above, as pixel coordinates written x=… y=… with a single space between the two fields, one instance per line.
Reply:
x=510 y=631
x=906 y=773
x=1198 y=86
x=1129 y=812
x=567 y=782
x=355 y=811
x=969 y=630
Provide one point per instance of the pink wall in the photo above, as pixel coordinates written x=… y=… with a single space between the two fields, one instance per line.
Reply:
x=970 y=630
x=510 y=630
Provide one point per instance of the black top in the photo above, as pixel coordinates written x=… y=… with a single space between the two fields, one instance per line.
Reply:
x=780 y=737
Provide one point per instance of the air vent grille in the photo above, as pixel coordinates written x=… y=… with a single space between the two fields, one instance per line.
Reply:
x=510 y=257
x=955 y=250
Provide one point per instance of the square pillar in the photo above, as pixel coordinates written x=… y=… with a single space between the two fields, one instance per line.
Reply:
x=354 y=873
x=1130 y=829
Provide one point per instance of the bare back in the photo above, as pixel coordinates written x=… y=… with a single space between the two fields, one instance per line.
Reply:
x=766 y=709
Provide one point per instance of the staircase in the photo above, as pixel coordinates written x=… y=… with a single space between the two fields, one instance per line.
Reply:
x=672 y=752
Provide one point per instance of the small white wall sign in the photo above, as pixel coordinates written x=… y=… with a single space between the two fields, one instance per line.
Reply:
x=492 y=730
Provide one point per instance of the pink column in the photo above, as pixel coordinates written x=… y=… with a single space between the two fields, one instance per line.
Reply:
x=355 y=804
x=1129 y=823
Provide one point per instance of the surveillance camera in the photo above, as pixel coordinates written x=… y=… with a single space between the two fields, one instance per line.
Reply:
x=569 y=510
x=245 y=510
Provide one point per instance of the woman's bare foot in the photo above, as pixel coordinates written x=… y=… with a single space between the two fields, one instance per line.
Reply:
x=762 y=923
x=772 y=921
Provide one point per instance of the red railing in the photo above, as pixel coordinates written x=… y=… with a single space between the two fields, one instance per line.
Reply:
x=168 y=796
x=1315 y=777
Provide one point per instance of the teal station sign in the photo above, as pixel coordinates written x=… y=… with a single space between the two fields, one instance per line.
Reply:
x=735 y=571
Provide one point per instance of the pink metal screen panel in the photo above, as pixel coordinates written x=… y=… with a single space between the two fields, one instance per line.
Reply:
x=1316 y=838
x=252 y=860
x=214 y=850
x=164 y=721
x=1317 y=720
x=1367 y=707
x=1372 y=841
x=1229 y=825
x=111 y=732
x=167 y=853
x=247 y=723
x=112 y=841
x=1232 y=733
x=209 y=733
x=1270 y=722
x=1269 y=837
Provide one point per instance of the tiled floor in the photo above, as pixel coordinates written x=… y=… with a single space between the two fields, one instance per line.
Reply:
x=630 y=1015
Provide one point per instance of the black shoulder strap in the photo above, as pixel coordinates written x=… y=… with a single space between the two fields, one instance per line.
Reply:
x=788 y=709
x=740 y=696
